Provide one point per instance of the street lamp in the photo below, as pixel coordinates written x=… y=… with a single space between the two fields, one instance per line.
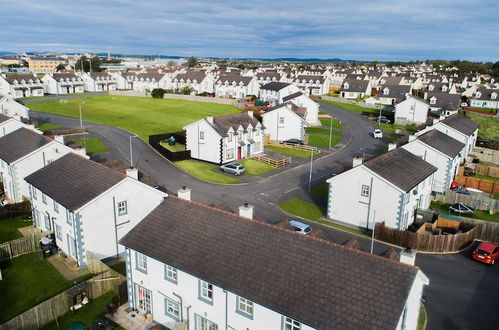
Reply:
x=310 y=176
x=81 y=118
x=131 y=151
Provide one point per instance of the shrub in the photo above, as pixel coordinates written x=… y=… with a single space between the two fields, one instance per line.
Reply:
x=158 y=93
x=186 y=90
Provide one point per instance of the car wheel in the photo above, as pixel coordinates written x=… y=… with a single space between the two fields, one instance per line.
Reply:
x=222 y=170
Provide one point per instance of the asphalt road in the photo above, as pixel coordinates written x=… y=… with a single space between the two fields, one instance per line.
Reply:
x=463 y=294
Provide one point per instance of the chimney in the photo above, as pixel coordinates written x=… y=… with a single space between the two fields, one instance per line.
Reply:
x=408 y=256
x=250 y=113
x=435 y=121
x=246 y=211
x=209 y=119
x=133 y=173
x=357 y=161
x=184 y=193
x=391 y=146
x=59 y=138
x=412 y=138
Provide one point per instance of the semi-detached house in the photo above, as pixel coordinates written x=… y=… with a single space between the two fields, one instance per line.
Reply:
x=284 y=122
x=188 y=263
x=20 y=85
x=88 y=206
x=9 y=125
x=63 y=83
x=12 y=108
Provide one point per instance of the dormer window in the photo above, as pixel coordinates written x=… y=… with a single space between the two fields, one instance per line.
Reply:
x=478 y=94
x=430 y=88
x=386 y=91
x=433 y=100
x=345 y=86
x=493 y=96
x=444 y=88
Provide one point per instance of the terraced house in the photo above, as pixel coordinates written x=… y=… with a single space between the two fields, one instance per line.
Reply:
x=98 y=81
x=188 y=263
x=236 y=86
x=63 y=83
x=20 y=85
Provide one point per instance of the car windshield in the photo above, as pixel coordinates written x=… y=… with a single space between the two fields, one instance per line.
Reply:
x=482 y=252
x=307 y=230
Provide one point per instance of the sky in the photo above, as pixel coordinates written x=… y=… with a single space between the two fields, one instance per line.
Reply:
x=381 y=30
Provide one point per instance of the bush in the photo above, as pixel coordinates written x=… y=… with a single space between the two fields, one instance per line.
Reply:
x=158 y=93
x=202 y=94
x=186 y=90
x=252 y=97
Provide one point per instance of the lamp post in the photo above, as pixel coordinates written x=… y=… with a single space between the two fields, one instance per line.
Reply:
x=310 y=176
x=81 y=126
x=131 y=151
x=81 y=118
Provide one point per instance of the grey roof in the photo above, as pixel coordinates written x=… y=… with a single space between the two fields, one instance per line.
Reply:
x=47 y=58
x=292 y=96
x=275 y=86
x=355 y=85
x=300 y=111
x=401 y=168
x=309 y=78
x=191 y=75
x=392 y=80
x=230 y=78
x=3 y=118
x=444 y=100
x=20 y=143
x=442 y=142
x=150 y=75
x=20 y=76
x=461 y=123
x=223 y=123
x=73 y=180
x=101 y=75
x=486 y=94
x=314 y=281
x=269 y=75
x=65 y=75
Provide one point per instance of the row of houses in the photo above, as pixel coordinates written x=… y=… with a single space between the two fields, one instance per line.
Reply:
x=190 y=263
x=392 y=186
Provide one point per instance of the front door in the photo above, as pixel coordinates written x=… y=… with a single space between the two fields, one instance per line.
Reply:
x=238 y=152
x=71 y=246
x=143 y=299
x=249 y=150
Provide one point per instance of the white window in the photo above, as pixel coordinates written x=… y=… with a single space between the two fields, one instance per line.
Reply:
x=229 y=138
x=257 y=132
x=172 y=309
x=257 y=146
x=44 y=198
x=201 y=135
x=205 y=291
x=433 y=100
x=58 y=232
x=230 y=153
x=56 y=207
x=141 y=260
x=290 y=324
x=171 y=273
x=244 y=306
x=281 y=120
x=239 y=135
x=122 y=208
x=204 y=324
x=33 y=192
x=365 y=190
x=250 y=133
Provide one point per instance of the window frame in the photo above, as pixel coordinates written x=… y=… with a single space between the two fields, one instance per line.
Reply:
x=173 y=270
x=207 y=299
x=55 y=206
x=290 y=324
x=201 y=135
x=248 y=305
x=365 y=190
x=141 y=265
x=175 y=307
x=122 y=211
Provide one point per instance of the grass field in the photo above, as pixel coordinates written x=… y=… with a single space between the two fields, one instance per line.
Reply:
x=141 y=115
x=27 y=281
x=489 y=127
x=327 y=123
x=254 y=167
x=322 y=130
x=8 y=229
x=93 y=145
x=478 y=214
x=290 y=151
x=322 y=140
x=205 y=171
x=47 y=126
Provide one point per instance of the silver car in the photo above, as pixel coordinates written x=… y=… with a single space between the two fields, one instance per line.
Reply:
x=233 y=168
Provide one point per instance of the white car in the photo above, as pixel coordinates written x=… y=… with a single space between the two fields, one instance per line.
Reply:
x=378 y=134
x=300 y=227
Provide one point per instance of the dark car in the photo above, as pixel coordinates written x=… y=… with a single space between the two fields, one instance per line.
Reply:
x=293 y=141
x=383 y=119
x=461 y=208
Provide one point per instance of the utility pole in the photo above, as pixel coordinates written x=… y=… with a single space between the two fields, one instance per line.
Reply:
x=310 y=176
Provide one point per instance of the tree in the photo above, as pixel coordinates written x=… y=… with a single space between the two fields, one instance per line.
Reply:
x=158 y=93
x=495 y=69
x=60 y=67
x=192 y=61
x=186 y=90
x=171 y=63
x=88 y=65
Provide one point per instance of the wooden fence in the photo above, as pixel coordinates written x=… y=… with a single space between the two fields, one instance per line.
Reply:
x=476 y=201
x=106 y=280
x=16 y=210
x=295 y=146
x=492 y=171
x=20 y=246
x=480 y=184
x=274 y=162
x=485 y=230
x=426 y=242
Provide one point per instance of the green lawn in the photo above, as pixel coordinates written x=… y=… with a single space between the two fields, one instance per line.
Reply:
x=27 y=281
x=322 y=130
x=489 y=127
x=486 y=177
x=143 y=116
x=322 y=140
x=205 y=171
x=120 y=268
x=8 y=229
x=95 y=310
x=173 y=148
x=47 y=126
x=478 y=214
x=255 y=167
x=290 y=151
x=321 y=190
x=390 y=128
x=93 y=145
x=327 y=123
x=356 y=108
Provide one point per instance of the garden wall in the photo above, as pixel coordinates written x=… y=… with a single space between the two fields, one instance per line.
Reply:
x=154 y=141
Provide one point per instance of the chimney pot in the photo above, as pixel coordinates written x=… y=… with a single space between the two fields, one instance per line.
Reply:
x=133 y=173
x=246 y=211
x=209 y=119
x=184 y=193
x=357 y=161
x=408 y=256
x=412 y=138
x=392 y=146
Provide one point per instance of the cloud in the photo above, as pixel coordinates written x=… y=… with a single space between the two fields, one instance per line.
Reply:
x=361 y=29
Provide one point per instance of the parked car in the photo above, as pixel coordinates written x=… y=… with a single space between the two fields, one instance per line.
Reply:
x=300 y=227
x=293 y=141
x=233 y=168
x=383 y=119
x=461 y=208
x=486 y=252
x=378 y=134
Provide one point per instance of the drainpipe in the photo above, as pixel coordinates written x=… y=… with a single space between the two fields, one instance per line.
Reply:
x=181 y=309
x=115 y=228
x=226 y=326
x=188 y=323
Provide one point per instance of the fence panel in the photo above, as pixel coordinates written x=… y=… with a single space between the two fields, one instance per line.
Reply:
x=485 y=230
x=16 y=210
x=479 y=202
x=20 y=246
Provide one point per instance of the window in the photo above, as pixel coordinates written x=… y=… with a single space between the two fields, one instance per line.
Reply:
x=44 y=198
x=171 y=273
x=122 y=208
x=290 y=324
x=33 y=192
x=172 y=309
x=257 y=132
x=365 y=190
x=230 y=153
x=204 y=324
x=206 y=291
x=229 y=138
x=281 y=120
x=46 y=219
x=56 y=207
x=201 y=135
x=257 y=146
x=239 y=135
x=244 y=306
x=141 y=260
x=58 y=232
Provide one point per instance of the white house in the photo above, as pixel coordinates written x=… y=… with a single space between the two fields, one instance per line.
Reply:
x=88 y=206
x=285 y=121
x=301 y=100
x=124 y=80
x=12 y=108
x=63 y=83
x=458 y=127
x=20 y=85
x=485 y=98
x=98 y=81
x=312 y=84
x=236 y=86
x=9 y=125
x=353 y=88
x=199 y=81
x=387 y=188
x=274 y=92
x=392 y=94
x=149 y=81
x=188 y=263
x=411 y=111
x=226 y=138
x=440 y=150
x=23 y=152
x=443 y=103
x=266 y=77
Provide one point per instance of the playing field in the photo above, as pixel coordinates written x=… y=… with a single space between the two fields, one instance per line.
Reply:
x=140 y=115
